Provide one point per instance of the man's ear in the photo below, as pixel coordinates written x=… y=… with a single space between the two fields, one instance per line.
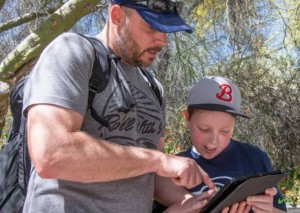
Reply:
x=117 y=15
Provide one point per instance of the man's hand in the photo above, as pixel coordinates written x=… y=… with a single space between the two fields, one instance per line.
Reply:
x=191 y=205
x=183 y=171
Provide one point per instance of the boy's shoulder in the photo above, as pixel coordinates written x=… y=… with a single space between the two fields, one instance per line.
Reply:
x=186 y=153
x=248 y=148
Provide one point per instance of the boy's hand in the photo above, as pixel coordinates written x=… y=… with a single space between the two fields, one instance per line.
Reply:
x=258 y=203
x=262 y=203
x=192 y=204
x=240 y=207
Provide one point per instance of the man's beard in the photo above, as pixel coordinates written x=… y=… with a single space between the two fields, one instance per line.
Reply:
x=128 y=49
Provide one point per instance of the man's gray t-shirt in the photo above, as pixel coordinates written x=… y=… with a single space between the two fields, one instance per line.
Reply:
x=61 y=77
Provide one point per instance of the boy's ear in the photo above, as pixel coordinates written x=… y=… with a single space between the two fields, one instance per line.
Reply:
x=186 y=115
x=187 y=118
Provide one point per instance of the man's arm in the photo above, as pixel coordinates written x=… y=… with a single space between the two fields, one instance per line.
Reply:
x=165 y=191
x=59 y=150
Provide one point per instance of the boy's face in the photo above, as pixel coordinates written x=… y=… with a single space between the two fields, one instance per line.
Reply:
x=210 y=131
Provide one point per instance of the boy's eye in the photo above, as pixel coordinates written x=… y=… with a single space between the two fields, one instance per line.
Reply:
x=225 y=131
x=204 y=130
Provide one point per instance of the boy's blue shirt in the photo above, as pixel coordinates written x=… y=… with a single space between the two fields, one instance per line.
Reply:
x=238 y=159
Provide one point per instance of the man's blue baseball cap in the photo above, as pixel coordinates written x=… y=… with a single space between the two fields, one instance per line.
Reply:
x=158 y=14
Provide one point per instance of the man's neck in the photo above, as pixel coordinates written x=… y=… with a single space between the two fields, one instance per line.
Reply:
x=107 y=37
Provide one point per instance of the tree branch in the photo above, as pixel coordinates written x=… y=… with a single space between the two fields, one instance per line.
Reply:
x=60 y=21
x=24 y=19
x=2 y=2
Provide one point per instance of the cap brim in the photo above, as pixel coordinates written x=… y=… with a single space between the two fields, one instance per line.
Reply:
x=217 y=107
x=163 y=22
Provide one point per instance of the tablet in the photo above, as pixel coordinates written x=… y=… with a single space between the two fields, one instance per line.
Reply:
x=238 y=189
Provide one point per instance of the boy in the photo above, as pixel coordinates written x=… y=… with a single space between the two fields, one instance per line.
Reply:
x=213 y=103
x=212 y=106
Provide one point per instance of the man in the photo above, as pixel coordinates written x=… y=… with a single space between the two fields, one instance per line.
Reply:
x=80 y=165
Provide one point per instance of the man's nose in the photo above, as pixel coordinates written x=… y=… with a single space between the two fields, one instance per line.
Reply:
x=161 y=39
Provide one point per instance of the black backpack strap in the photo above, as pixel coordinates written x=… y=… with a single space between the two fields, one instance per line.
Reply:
x=100 y=75
x=126 y=102
x=18 y=130
x=153 y=84
x=24 y=160
x=16 y=105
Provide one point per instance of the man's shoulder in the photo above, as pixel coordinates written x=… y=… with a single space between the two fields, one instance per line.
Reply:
x=74 y=45
x=69 y=35
x=71 y=39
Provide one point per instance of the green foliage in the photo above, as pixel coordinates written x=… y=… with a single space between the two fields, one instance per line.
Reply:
x=202 y=15
x=290 y=186
x=177 y=135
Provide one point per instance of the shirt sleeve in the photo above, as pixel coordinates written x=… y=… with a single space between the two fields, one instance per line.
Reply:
x=61 y=75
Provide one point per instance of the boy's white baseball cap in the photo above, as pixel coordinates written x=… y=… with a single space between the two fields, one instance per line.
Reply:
x=217 y=94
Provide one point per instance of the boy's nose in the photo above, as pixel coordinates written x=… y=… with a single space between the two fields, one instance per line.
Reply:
x=214 y=139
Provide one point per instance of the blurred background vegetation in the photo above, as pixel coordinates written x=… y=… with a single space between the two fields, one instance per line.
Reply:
x=255 y=43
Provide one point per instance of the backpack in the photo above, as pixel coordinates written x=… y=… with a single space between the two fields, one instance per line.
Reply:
x=15 y=164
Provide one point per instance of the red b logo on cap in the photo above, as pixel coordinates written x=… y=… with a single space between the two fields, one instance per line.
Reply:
x=225 y=94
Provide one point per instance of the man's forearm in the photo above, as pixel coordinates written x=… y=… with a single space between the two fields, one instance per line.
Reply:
x=97 y=161
x=60 y=150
